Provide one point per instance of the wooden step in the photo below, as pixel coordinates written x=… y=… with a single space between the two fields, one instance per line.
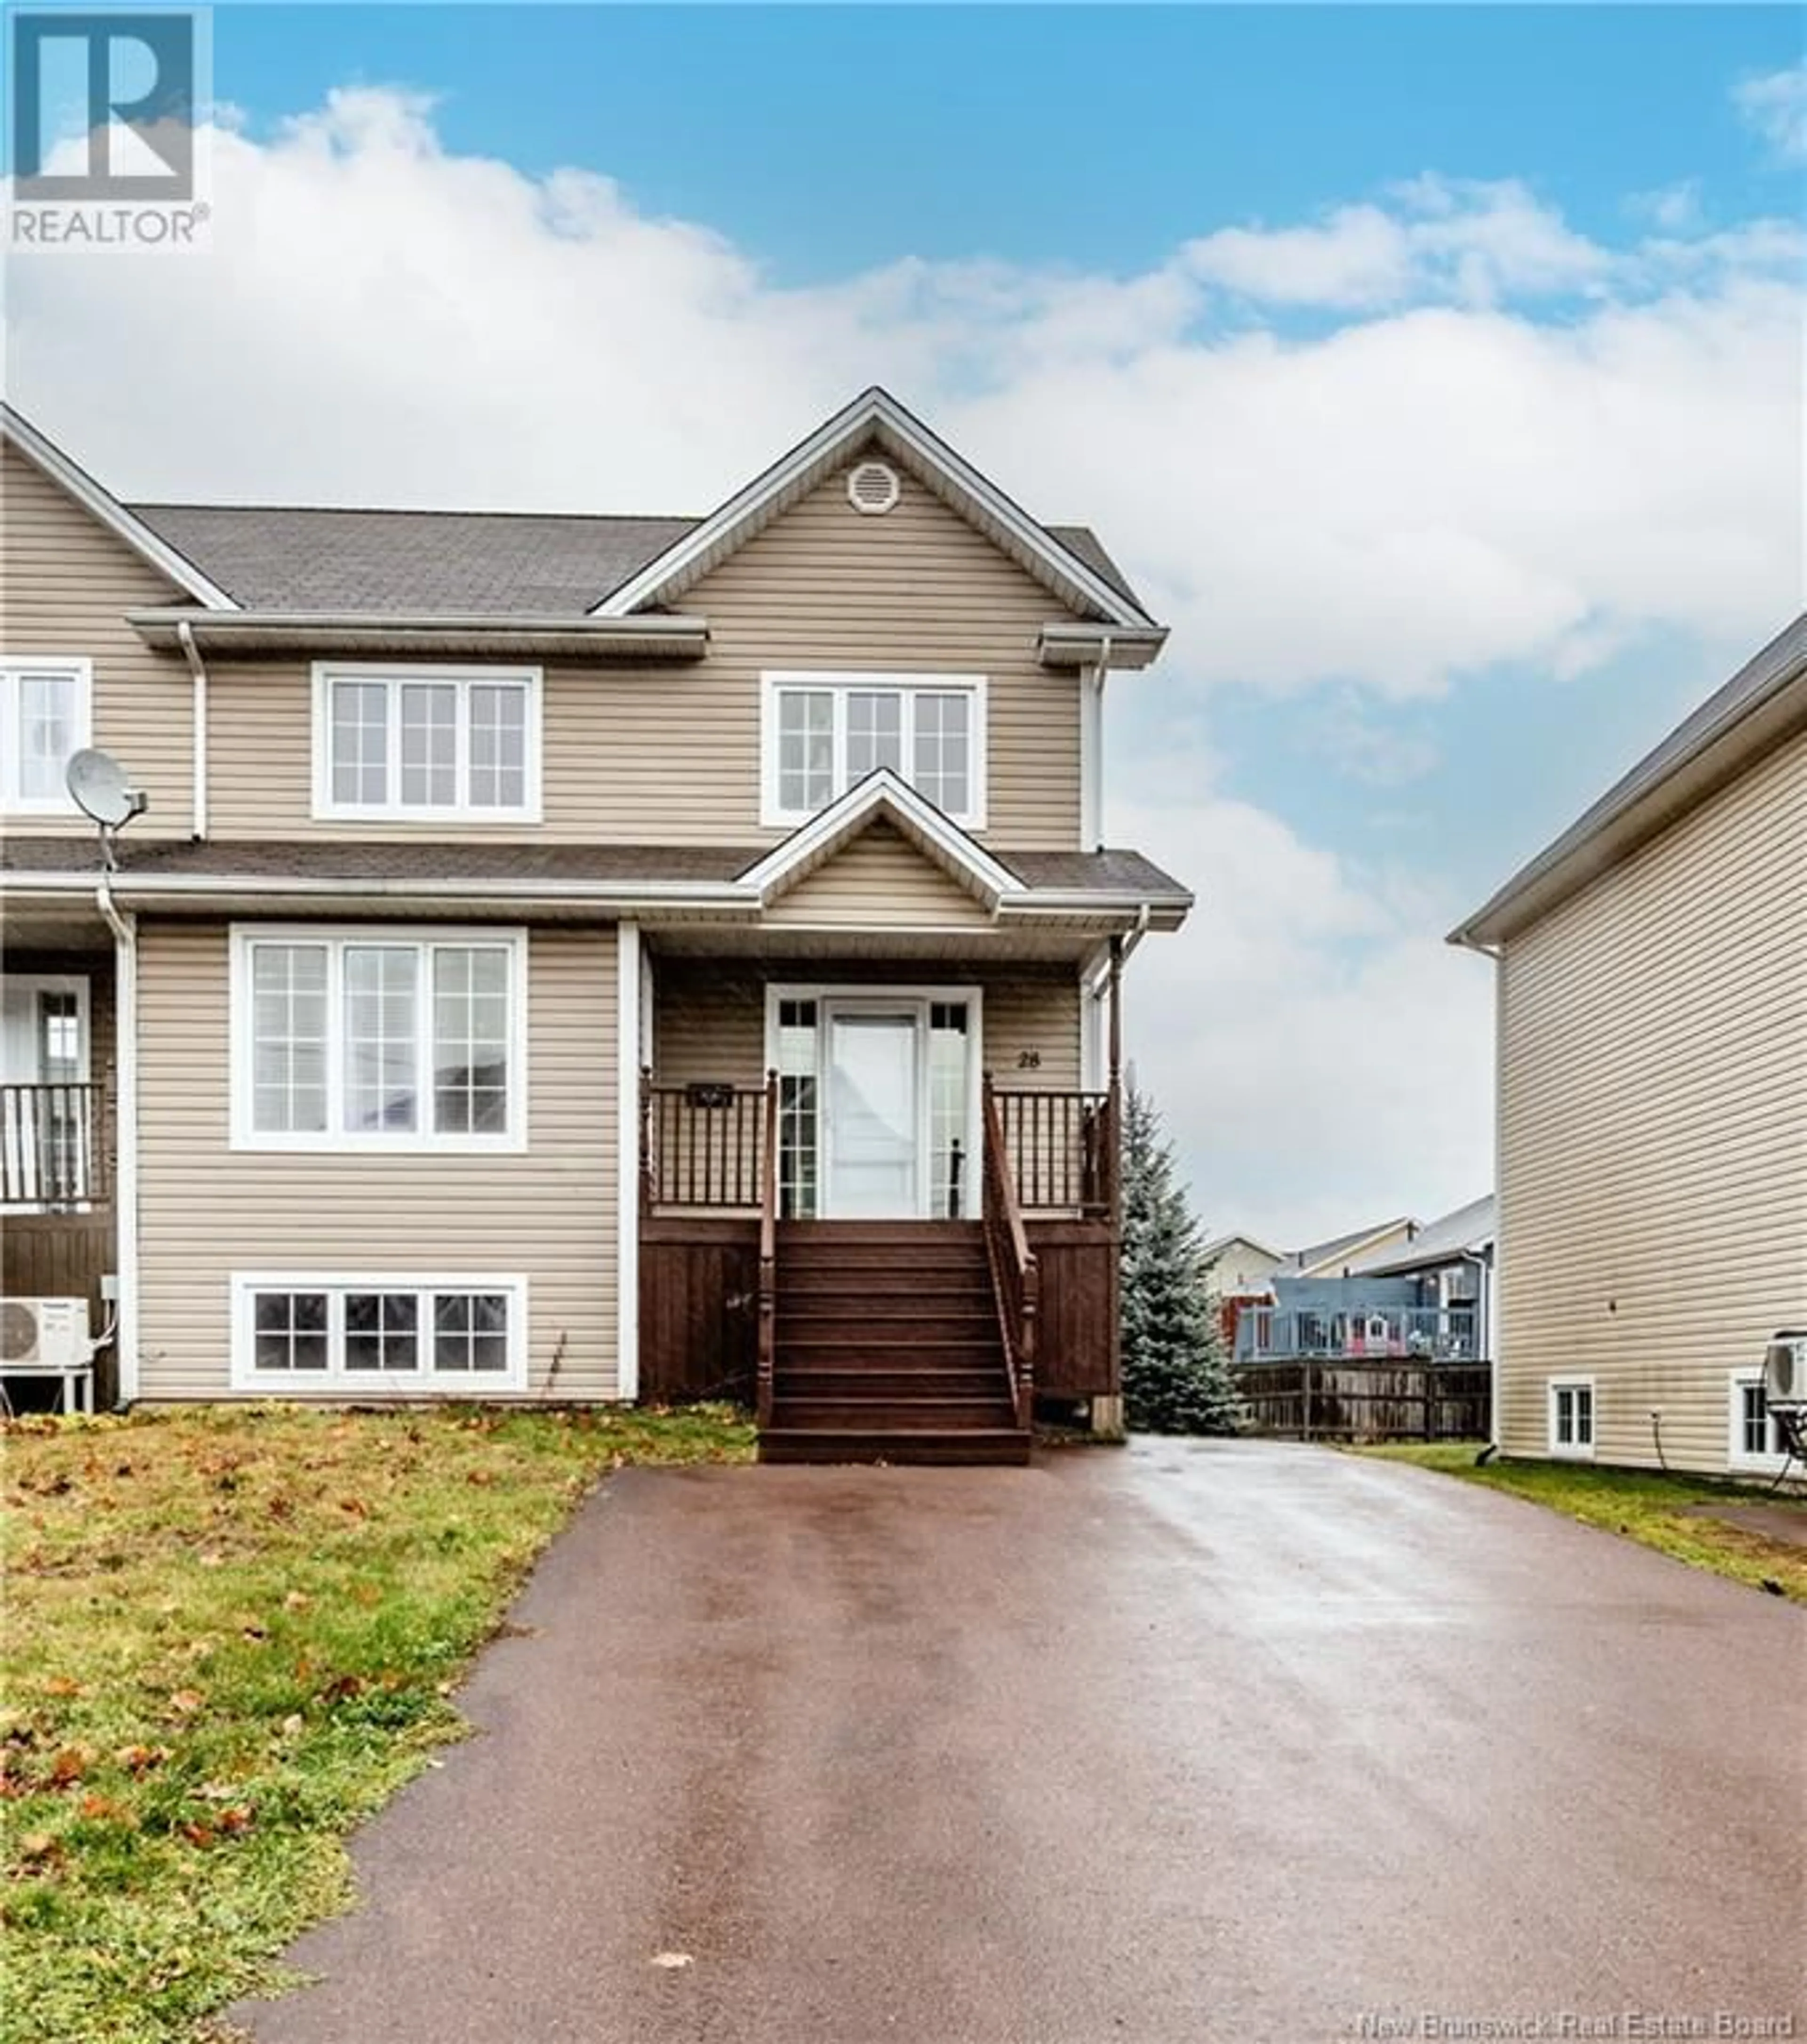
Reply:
x=1003 y=1446
x=926 y=1321
x=797 y=1233
x=899 y=1381
x=868 y=1261
x=864 y=1280
x=891 y=1415
x=870 y=1354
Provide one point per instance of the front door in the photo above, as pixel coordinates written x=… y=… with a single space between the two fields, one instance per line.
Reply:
x=874 y=1118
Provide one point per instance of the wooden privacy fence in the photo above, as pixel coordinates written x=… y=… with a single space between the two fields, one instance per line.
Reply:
x=1315 y=1398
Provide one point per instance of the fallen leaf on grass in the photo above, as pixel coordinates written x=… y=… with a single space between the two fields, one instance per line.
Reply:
x=212 y=1560
x=297 y=1600
x=103 y=1809
x=186 y=1702
x=62 y=1685
x=39 y=1849
x=672 y=1961
x=69 y=1766
x=293 y=1725
x=141 y=1759
x=340 y=1688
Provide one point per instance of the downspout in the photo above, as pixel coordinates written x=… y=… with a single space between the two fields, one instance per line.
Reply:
x=1092 y=748
x=184 y=638
x=125 y=929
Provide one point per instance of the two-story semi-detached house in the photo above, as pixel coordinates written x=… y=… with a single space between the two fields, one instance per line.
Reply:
x=578 y=957
x=1652 y=1042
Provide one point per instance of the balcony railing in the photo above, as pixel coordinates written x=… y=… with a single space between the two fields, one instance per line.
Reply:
x=53 y=1146
x=1061 y=1149
x=1435 y=1334
x=701 y=1146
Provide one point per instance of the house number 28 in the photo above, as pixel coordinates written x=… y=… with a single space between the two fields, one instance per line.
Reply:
x=1028 y=1061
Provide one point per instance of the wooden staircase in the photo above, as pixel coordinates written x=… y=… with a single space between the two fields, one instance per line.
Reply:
x=887 y=1347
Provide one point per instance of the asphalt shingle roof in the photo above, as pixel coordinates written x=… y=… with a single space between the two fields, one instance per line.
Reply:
x=1109 y=872
x=442 y=563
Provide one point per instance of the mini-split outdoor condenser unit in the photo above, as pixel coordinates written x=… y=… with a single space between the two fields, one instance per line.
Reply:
x=42 y=1334
x=1785 y=1371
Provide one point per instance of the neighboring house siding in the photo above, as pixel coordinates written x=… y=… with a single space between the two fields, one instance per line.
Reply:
x=206 y=1210
x=1653 y=1105
x=671 y=753
x=879 y=881
x=65 y=583
x=710 y=1020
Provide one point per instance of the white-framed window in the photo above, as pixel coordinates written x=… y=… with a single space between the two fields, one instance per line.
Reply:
x=1571 y=1417
x=425 y=744
x=378 y=1039
x=1754 y=1441
x=297 y=1333
x=46 y=714
x=820 y=734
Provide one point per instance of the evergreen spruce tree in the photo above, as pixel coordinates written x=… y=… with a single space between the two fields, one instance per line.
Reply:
x=1176 y=1374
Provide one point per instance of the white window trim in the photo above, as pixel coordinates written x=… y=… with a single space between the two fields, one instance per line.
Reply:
x=336 y=1380
x=463 y=675
x=1737 y=1457
x=77 y=669
x=246 y=1136
x=841 y=683
x=876 y=994
x=1574 y=1451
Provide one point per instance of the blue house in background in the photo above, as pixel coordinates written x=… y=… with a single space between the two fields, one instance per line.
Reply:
x=1431 y=1300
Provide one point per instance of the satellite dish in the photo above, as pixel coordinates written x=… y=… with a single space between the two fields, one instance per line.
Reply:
x=97 y=784
x=97 y=781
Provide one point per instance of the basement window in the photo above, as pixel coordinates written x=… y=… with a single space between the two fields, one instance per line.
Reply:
x=1571 y=1417
x=294 y=1335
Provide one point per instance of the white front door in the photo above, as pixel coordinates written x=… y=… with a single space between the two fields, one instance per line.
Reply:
x=874 y=1119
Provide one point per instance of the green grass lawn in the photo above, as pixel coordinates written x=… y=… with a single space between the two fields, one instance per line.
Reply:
x=1650 y=1508
x=229 y=1635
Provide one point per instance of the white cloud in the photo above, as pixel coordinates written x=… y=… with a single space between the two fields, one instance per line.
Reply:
x=1321 y=1057
x=1776 y=106
x=1494 y=440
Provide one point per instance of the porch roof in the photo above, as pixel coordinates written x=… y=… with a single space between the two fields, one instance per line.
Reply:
x=1059 y=889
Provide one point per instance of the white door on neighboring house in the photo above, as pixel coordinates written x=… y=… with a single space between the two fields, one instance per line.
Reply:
x=874 y=1125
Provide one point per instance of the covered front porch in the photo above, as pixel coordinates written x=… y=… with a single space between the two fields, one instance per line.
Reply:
x=59 y=1152
x=884 y=1168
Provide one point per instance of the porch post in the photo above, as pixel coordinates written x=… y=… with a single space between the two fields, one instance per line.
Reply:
x=1107 y=1412
x=627 y=1153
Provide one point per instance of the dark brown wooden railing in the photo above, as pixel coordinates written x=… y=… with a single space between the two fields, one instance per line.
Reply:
x=767 y=1255
x=701 y=1145
x=53 y=1145
x=1062 y=1150
x=1015 y=1276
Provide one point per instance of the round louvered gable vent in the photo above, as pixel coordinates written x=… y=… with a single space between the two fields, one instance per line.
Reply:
x=874 y=488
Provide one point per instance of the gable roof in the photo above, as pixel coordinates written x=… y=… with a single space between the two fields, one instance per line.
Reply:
x=1466 y=1231
x=168 y=560
x=881 y=794
x=875 y=417
x=349 y=562
x=1340 y=1249
x=1730 y=731
x=1215 y=1248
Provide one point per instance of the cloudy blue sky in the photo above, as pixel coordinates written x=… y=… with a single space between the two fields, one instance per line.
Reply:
x=1435 y=371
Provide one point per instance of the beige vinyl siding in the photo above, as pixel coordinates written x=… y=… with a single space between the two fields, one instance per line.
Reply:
x=879 y=881
x=670 y=753
x=65 y=583
x=709 y=1015
x=548 y=1214
x=1653 y=1118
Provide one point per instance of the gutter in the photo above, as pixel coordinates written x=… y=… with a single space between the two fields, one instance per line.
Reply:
x=125 y=1187
x=184 y=638
x=660 y=637
x=1092 y=746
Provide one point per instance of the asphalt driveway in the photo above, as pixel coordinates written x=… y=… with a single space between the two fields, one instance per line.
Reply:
x=1198 y=1741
